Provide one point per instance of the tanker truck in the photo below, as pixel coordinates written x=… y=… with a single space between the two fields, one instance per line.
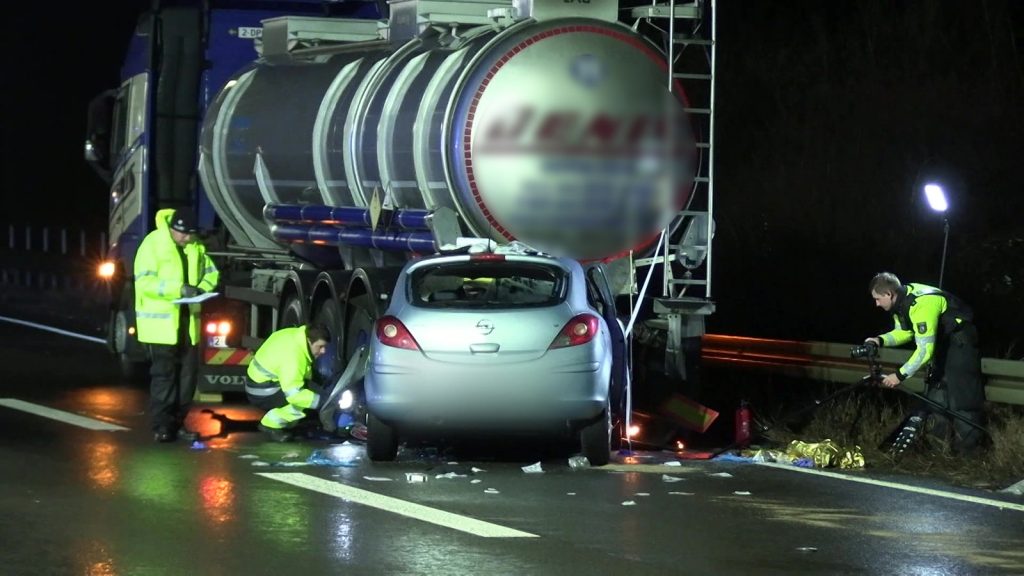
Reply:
x=323 y=144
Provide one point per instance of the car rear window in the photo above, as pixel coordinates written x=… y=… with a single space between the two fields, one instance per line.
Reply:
x=504 y=284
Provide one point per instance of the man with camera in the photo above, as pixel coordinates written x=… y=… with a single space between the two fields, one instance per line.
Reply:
x=945 y=338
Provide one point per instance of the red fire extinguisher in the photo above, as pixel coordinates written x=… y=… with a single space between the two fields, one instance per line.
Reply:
x=743 y=425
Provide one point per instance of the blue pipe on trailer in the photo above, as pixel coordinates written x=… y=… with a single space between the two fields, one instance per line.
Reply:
x=404 y=218
x=394 y=240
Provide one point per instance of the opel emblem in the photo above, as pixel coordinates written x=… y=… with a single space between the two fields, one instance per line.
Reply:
x=485 y=327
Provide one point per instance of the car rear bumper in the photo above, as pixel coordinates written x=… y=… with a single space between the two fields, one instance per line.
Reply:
x=503 y=397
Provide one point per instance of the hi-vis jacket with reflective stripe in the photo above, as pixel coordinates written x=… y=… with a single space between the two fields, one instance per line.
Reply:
x=284 y=361
x=158 y=282
x=920 y=314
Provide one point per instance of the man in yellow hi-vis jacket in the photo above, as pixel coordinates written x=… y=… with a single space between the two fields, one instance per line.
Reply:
x=946 y=340
x=170 y=264
x=279 y=378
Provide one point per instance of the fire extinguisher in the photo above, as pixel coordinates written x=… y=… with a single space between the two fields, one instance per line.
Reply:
x=743 y=425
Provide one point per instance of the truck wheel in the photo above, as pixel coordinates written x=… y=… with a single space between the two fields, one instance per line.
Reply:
x=595 y=439
x=361 y=316
x=329 y=314
x=381 y=440
x=132 y=369
x=291 y=312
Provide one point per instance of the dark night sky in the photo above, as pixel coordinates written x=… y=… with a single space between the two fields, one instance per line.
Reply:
x=831 y=115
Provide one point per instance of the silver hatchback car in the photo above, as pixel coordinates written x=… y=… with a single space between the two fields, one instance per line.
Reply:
x=496 y=343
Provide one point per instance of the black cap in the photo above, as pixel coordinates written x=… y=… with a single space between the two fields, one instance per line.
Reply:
x=184 y=221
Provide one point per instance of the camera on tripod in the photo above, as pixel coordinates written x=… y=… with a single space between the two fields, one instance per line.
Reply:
x=868 y=350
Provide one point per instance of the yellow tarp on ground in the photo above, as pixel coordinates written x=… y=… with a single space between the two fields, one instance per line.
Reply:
x=825 y=454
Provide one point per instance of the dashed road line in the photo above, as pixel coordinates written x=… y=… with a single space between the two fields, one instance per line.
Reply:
x=54 y=330
x=54 y=414
x=397 y=506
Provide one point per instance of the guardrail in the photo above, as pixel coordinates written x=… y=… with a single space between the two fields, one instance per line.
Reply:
x=45 y=258
x=831 y=362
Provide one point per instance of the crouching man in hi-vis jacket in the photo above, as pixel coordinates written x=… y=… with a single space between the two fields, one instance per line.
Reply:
x=279 y=378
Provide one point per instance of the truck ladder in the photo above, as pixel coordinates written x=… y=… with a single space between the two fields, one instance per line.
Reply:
x=685 y=253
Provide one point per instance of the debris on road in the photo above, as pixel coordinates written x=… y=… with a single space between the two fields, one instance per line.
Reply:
x=578 y=462
x=534 y=468
x=330 y=458
x=1016 y=489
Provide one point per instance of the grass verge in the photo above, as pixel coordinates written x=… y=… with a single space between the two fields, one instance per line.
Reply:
x=867 y=417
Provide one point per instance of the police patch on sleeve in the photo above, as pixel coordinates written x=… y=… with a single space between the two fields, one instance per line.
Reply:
x=922 y=327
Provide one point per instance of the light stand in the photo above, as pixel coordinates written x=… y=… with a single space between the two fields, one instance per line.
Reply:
x=945 y=243
x=936 y=197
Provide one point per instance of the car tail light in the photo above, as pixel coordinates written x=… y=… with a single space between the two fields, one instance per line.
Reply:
x=580 y=330
x=391 y=332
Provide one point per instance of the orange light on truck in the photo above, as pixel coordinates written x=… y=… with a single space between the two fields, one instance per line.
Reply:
x=106 y=270
x=633 y=431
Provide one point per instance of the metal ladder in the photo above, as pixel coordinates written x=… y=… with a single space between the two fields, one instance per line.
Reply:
x=685 y=253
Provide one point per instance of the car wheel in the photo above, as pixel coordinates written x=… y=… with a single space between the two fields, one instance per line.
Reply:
x=595 y=439
x=381 y=440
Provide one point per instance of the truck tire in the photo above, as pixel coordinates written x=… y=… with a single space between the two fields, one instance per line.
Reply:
x=360 y=320
x=595 y=439
x=291 y=312
x=329 y=314
x=381 y=440
x=133 y=369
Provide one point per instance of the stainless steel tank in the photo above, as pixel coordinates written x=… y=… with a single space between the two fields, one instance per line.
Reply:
x=560 y=134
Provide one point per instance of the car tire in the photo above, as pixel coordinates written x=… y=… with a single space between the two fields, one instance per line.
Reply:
x=595 y=439
x=381 y=440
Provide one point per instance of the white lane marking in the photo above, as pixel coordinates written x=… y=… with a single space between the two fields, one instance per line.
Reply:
x=894 y=485
x=55 y=330
x=54 y=414
x=397 y=506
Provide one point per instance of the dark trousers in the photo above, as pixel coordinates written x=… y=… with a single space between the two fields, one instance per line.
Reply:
x=955 y=381
x=173 y=373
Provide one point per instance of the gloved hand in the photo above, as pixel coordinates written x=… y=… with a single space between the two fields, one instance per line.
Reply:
x=188 y=291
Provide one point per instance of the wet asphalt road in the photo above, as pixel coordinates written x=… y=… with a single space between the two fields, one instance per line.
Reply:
x=100 y=502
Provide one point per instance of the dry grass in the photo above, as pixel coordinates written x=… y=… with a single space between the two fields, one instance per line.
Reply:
x=866 y=417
